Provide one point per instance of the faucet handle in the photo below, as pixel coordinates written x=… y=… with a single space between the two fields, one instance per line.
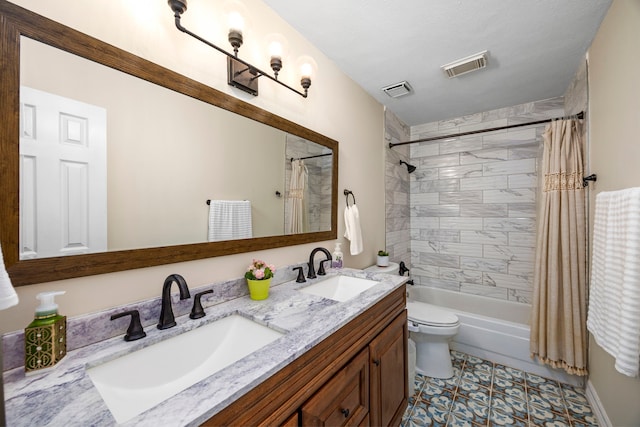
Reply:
x=300 y=278
x=321 y=271
x=135 y=330
x=197 y=311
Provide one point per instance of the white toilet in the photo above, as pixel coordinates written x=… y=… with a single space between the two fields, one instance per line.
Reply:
x=432 y=328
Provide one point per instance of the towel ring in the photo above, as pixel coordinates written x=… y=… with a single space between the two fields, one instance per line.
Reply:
x=346 y=194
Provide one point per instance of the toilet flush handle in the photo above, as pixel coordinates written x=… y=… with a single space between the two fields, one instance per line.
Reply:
x=413 y=327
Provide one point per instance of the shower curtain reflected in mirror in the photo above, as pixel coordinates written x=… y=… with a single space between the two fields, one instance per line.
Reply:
x=297 y=199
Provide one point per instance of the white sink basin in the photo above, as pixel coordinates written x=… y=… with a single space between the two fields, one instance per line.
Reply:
x=339 y=288
x=138 y=381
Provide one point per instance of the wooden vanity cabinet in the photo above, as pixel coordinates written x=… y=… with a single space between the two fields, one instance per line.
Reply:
x=342 y=401
x=292 y=421
x=389 y=391
x=362 y=368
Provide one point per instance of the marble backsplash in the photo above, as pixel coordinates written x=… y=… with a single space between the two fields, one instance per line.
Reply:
x=95 y=327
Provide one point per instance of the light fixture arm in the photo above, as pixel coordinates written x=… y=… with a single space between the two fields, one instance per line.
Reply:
x=179 y=7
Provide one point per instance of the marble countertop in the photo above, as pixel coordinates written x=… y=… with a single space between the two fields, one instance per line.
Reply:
x=66 y=396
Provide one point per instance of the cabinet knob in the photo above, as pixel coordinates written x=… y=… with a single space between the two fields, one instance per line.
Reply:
x=376 y=362
x=345 y=412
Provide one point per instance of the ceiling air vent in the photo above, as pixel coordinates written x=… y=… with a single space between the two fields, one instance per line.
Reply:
x=466 y=65
x=397 y=90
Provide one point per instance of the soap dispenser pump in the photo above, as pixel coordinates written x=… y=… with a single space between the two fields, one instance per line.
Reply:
x=45 y=339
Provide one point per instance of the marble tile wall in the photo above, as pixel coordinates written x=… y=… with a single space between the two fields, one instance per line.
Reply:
x=397 y=220
x=472 y=202
x=576 y=96
x=576 y=99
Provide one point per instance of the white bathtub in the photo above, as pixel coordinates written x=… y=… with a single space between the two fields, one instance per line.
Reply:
x=491 y=329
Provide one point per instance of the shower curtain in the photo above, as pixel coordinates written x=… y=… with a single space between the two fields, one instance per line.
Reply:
x=296 y=205
x=558 y=315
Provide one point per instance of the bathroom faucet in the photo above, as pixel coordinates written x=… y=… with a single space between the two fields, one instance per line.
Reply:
x=312 y=271
x=403 y=268
x=166 y=313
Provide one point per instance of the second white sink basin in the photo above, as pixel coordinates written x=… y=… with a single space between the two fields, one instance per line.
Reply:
x=339 y=288
x=138 y=381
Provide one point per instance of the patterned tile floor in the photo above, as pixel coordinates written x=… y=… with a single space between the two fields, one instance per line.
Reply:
x=483 y=393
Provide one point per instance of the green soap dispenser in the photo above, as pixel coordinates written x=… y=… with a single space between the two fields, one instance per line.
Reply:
x=45 y=339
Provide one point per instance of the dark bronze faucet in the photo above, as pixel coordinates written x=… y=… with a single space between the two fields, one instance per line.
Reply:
x=312 y=271
x=403 y=268
x=166 y=313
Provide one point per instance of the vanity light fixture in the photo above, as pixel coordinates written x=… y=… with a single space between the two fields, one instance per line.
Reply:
x=240 y=73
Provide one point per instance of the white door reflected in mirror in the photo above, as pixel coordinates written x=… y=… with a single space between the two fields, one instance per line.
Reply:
x=63 y=170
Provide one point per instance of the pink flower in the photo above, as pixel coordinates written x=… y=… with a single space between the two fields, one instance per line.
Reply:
x=259 y=270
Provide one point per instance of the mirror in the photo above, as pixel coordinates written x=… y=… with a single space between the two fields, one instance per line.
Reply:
x=146 y=156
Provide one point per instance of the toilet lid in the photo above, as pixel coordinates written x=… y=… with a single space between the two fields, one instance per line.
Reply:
x=430 y=315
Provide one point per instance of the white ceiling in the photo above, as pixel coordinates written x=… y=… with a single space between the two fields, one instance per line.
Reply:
x=535 y=48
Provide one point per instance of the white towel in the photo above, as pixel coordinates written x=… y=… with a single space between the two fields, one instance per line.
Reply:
x=8 y=296
x=614 y=291
x=352 y=229
x=229 y=220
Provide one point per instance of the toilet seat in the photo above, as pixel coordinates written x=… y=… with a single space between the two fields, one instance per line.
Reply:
x=430 y=315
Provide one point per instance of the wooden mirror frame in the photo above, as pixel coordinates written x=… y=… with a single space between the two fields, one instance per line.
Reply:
x=16 y=22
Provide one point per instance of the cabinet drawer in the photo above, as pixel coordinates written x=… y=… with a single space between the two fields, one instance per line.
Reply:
x=344 y=400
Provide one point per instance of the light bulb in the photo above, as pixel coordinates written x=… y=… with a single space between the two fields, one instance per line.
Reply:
x=275 y=49
x=236 y=22
x=306 y=70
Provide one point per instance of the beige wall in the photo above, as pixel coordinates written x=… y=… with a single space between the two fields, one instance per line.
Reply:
x=336 y=107
x=614 y=105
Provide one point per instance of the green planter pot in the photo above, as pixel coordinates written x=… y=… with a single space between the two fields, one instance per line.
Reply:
x=259 y=289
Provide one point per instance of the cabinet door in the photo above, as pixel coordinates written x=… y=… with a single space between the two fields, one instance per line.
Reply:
x=344 y=399
x=389 y=385
x=292 y=421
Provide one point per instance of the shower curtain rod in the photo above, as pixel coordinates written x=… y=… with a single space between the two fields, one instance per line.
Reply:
x=311 y=157
x=579 y=116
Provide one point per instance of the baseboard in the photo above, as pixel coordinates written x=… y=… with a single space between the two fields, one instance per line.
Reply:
x=596 y=406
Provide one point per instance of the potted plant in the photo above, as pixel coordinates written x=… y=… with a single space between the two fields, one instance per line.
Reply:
x=258 y=277
x=383 y=259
